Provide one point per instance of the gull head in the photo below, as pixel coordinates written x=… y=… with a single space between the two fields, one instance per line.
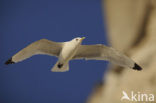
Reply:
x=78 y=40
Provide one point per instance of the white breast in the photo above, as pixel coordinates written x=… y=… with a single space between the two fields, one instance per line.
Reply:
x=68 y=51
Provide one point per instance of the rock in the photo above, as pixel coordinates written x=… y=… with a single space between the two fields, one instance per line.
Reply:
x=131 y=29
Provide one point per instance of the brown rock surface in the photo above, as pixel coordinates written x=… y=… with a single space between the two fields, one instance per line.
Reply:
x=131 y=29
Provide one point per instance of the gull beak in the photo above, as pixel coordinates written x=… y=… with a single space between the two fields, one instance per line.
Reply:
x=82 y=38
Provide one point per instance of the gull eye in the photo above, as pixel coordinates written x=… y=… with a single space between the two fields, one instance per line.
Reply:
x=77 y=39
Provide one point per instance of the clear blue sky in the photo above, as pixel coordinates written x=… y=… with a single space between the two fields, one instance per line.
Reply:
x=31 y=81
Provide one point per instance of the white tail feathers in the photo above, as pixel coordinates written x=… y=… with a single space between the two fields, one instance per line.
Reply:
x=63 y=68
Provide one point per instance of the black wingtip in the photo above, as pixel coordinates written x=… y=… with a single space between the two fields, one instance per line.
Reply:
x=9 y=62
x=137 y=67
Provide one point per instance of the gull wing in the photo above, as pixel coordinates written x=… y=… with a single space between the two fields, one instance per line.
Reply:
x=102 y=52
x=42 y=46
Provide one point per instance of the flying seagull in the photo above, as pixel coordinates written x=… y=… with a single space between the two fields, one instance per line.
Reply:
x=70 y=50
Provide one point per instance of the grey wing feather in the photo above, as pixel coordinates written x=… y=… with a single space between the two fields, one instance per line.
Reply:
x=49 y=47
x=42 y=46
x=102 y=52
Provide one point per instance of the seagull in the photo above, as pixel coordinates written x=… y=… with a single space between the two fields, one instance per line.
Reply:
x=71 y=50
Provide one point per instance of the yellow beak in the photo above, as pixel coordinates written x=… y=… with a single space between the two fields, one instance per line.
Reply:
x=82 y=38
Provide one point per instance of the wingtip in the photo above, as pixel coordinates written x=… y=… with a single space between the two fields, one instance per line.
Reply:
x=137 y=67
x=9 y=62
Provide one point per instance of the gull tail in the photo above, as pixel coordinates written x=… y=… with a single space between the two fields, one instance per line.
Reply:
x=60 y=67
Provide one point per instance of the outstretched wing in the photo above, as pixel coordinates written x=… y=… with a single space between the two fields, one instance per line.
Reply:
x=102 y=52
x=42 y=46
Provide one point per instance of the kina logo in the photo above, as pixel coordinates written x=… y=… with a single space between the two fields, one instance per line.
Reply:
x=137 y=96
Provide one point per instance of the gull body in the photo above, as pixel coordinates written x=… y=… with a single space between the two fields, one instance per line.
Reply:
x=66 y=51
x=69 y=49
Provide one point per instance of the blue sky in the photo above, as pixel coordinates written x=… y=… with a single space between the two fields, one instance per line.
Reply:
x=31 y=81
